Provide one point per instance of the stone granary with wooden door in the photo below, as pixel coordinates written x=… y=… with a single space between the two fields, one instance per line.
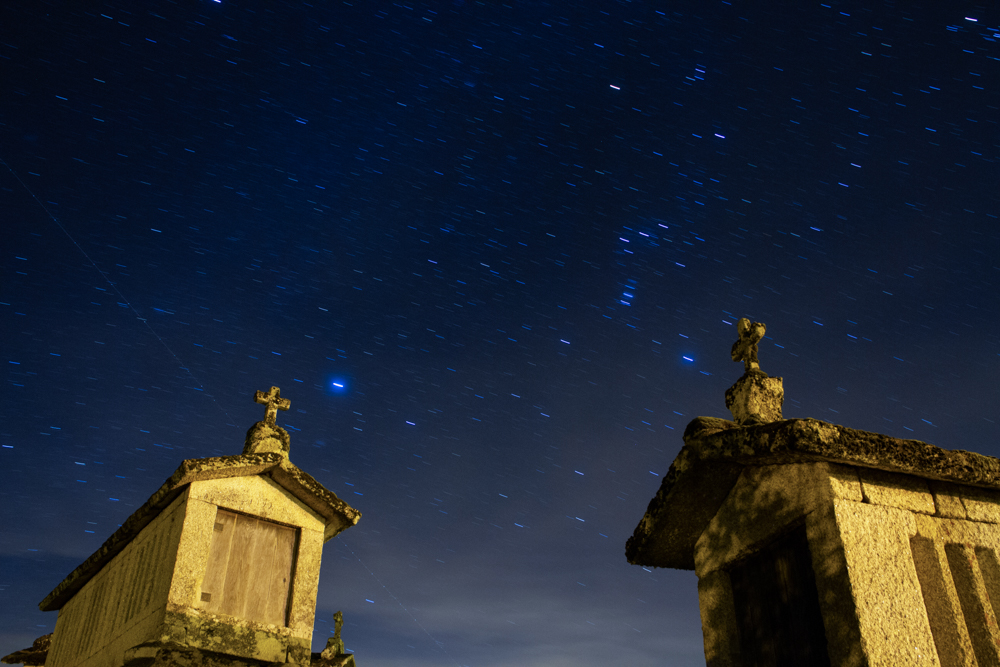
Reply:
x=219 y=567
x=816 y=544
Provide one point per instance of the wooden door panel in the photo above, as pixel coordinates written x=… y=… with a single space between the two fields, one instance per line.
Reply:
x=280 y=575
x=249 y=569
x=777 y=606
x=218 y=561
x=260 y=551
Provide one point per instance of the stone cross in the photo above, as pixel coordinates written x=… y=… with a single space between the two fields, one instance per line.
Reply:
x=338 y=624
x=274 y=402
x=745 y=349
x=335 y=645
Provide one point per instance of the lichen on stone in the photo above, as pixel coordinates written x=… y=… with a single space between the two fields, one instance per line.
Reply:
x=716 y=451
x=264 y=438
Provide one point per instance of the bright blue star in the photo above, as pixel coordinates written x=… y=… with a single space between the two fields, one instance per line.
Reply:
x=337 y=385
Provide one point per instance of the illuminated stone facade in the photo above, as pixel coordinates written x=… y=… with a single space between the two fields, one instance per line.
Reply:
x=220 y=565
x=822 y=545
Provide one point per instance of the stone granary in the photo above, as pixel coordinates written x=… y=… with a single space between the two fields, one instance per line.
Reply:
x=816 y=544
x=219 y=567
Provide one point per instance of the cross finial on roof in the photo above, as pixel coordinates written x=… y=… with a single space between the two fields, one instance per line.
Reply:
x=274 y=402
x=756 y=397
x=745 y=349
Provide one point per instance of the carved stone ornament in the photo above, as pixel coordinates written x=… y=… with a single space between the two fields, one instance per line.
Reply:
x=266 y=435
x=756 y=397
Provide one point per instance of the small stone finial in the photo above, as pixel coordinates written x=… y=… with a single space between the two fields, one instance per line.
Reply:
x=336 y=641
x=266 y=435
x=274 y=402
x=756 y=397
x=745 y=349
x=334 y=655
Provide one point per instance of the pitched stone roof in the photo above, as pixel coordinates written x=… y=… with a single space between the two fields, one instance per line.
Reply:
x=716 y=451
x=336 y=514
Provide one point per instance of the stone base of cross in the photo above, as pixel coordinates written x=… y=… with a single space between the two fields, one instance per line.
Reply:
x=263 y=437
x=756 y=398
x=266 y=435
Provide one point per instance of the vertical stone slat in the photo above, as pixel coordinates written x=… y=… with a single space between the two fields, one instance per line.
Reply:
x=146 y=593
x=979 y=618
x=169 y=540
x=83 y=608
x=159 y=544
x=92 y=625
x=85 y=628
x=990 y=569
x=112 y=600
x=144 y=586
x=81 y=615
x=305 y=580
x=134 y=574
x=953 y=645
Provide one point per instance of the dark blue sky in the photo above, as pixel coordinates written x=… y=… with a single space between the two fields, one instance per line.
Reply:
x=494 y=253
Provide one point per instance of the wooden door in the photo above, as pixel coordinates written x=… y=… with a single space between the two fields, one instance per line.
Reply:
x=249 y=570
x=777 y=606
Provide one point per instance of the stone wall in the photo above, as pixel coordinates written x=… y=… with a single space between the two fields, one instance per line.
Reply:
x=906 y=569
x=125 y=602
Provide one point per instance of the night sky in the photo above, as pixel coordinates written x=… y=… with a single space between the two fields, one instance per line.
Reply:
x=493 y=253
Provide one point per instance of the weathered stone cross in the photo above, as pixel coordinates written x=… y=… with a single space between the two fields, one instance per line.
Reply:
x=756 y=398
x=274 y=402
x=745 y=349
